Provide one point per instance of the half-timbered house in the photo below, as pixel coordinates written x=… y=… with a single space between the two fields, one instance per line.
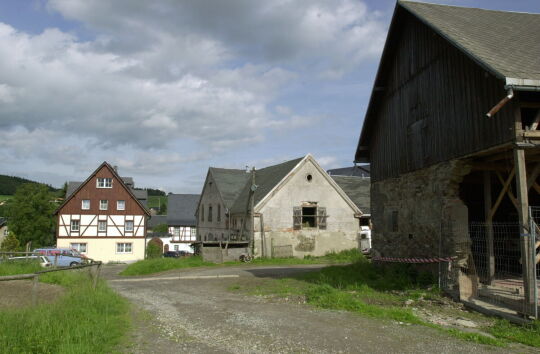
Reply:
x=103 y=217
x=451 y=133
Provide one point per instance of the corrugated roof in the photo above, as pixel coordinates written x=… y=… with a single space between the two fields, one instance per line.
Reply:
x=357 y=189
x=265 y=179
x=229 y=183
x=181 y=209
x=506 y=43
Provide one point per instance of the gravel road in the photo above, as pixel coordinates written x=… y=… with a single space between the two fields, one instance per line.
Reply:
x=193 y=311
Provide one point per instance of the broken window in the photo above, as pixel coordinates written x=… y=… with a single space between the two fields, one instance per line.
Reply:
x=202 y=212
x=219 y=212
x=309 y=216
x=210 y=212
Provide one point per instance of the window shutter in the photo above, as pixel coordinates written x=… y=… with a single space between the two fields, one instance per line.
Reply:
x=297 y=218
x=321 y=216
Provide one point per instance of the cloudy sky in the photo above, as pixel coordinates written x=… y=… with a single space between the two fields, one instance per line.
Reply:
x=164 y=89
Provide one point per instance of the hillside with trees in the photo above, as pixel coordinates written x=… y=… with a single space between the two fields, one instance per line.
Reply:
x=9 y=184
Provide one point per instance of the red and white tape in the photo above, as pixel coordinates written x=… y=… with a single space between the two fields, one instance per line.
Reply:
x=413 y=260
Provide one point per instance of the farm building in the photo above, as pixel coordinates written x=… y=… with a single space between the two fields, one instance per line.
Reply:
x=103 y=217
x=180 y=221
x=291 y=209
x=451 y=136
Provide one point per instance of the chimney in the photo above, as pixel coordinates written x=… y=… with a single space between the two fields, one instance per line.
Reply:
x=115 y=168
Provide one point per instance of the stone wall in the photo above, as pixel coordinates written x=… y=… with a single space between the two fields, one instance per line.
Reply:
x=420 y=214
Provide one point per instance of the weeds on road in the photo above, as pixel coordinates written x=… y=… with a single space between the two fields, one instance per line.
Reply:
x=384 y=292
x=82 y=321
x=150 y=266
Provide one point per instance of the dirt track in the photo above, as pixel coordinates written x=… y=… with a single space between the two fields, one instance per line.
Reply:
x=203 y=316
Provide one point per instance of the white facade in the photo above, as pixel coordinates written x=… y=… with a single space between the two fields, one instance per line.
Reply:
x=107 y=249
x=88 y=225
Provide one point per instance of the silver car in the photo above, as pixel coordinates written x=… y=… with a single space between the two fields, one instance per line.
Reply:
x=43 y=261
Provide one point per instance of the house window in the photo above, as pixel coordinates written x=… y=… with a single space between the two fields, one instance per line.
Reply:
x=75 y=224
x=120 y=205
x=394 y=221
x=85 y=204
x=103 y=204
x=177 y=231
x=210 y=212
x=129 y=225
x=202 y=212
x=176 y=247
x=104 y=183
x=219 y=212
x=124 y=247
x=79 y=247
x=102 y=226
x=309 y=216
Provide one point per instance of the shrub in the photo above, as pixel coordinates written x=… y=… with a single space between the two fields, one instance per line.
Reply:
x=153 y=250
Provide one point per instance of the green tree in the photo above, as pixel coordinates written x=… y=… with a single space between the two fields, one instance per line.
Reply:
x=10 y=243
x=161 y=228
x=30 y=213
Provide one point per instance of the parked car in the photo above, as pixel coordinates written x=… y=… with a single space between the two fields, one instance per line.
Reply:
x=43 y=261
x=171 y=254
x=62 y=257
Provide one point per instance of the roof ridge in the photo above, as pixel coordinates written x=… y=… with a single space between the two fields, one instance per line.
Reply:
x=405 y=2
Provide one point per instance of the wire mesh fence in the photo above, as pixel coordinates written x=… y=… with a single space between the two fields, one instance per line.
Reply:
x=489 y=269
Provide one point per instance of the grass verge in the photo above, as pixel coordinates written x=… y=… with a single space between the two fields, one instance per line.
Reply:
x=82 y=321
x=156 y=265
x=385 y=293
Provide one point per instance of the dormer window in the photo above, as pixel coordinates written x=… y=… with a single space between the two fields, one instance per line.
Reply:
x=104 y=183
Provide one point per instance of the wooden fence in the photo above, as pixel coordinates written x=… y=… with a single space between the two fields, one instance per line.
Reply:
x=94 y=275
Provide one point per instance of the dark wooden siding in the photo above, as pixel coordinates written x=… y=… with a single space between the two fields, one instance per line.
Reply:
x=433 y=106
x=94 y=194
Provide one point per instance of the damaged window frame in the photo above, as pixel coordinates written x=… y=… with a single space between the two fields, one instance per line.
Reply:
x=318 y=217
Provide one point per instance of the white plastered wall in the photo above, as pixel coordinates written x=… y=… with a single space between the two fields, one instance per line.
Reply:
x=105 y=249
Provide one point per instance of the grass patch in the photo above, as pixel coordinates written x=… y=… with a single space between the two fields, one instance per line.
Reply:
x=156 y=265
x=5 y=197
x=82 y=321
x=156 y=201
x=528 y=335
x=19 y=267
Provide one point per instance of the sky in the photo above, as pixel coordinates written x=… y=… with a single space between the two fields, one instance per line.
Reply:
x=165 y=89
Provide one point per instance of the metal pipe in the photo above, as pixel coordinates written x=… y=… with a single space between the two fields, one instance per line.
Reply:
x=523 y=88
x=498 y=106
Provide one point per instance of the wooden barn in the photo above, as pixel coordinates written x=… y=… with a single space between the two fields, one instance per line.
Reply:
x=451 y=135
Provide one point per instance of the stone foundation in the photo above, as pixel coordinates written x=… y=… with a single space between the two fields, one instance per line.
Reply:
x=420 y=214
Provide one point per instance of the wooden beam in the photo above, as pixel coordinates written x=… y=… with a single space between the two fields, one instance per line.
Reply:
x=509 y=192
x=489 y=226
x=531 y=134
x=525 y=233
x=533 y=176
x=506 y=184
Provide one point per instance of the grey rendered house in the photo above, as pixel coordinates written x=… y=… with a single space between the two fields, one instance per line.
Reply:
x=290 y=209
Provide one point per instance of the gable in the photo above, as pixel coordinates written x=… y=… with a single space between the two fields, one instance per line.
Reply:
x=306 y=182
x=88 y=190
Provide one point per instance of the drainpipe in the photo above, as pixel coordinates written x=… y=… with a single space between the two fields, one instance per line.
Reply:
x=498 y=106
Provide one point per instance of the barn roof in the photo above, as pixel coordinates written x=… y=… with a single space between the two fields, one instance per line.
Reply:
x=181 y=209
x=506 y=43
x=229 y=183
x=357 y=189
x=265 y=179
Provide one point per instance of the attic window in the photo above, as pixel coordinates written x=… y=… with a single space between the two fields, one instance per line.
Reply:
x=309 y=216
x=104 y=183
x=309 y=177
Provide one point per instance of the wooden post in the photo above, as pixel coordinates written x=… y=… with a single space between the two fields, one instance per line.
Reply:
x=523 y=211
x=35 y=282
x=489 y=227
